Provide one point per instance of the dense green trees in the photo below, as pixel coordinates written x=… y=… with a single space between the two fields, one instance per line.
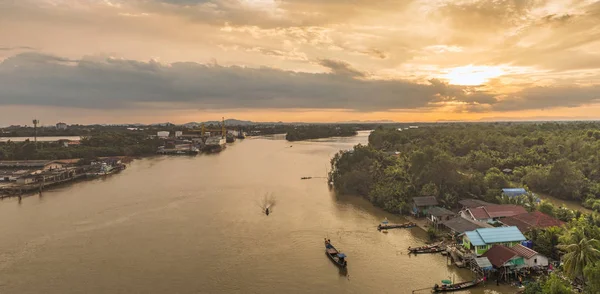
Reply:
x=319 y=131
x=555 y=285
x=592 y=277
x=99 y=145
x=533 y=288
x=546 y=241
x=468 y=160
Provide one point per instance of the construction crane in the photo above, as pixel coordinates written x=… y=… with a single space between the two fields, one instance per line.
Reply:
x=223 y=130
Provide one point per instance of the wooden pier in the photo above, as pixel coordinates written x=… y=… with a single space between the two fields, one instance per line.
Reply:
x=16 y=190
x=421 y=223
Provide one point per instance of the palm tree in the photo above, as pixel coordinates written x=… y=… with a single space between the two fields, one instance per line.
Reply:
x=581 y=252
x=448 y=200
x=552 y=234
x=504 y=199
x=530 y=201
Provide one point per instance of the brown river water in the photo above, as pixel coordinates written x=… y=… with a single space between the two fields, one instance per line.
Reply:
x=194 y=225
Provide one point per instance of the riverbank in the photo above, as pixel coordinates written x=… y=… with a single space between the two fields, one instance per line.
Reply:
x=22 y=178
x=301 y=133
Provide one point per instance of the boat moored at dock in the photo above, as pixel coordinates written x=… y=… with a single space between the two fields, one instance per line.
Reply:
x=434 y=248
x=214 y=144
x=384 y=226
x=457 y=287
x=427 y=250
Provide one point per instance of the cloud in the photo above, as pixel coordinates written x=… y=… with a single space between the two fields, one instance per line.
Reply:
x=300 y=54
x=110 y=83
x=292 y=54
x=551 y=97
x=16 y=48
x=38 y=79
x=341 y=68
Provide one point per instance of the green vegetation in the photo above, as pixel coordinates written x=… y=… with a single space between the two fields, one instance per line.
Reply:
x=592 y=278
x=577 y=246
x=555 y=285
x=551 y=285
x=100 y=145
x=319 y=131
x=458 y=161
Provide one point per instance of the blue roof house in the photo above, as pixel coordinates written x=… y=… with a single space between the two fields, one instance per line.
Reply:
x=514 y=192
x=480 y=240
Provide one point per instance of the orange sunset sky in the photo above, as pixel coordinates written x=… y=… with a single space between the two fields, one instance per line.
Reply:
x=146 y=61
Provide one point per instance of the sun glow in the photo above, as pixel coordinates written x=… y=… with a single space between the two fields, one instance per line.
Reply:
x=472 y=75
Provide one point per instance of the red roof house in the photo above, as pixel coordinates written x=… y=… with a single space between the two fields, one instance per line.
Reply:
x=500 y=255
x=492 y=212
x=532 y=220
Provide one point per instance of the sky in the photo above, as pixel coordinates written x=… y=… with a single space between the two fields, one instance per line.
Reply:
x=148 y=61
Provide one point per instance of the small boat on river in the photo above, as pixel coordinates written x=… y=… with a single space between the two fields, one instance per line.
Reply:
x=457 y=287
x=427 y=250
x=337 y=257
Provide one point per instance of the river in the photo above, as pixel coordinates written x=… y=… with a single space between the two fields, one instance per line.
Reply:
x=193 y=225
x=40 y=139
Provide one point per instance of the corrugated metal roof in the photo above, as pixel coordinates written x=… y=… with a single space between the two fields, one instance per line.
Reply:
x=513 y=192
x=461 y=225
x=500 y=235
x=524 y=251
x=468 y=203
x=475 y=238
x=504 y=210
x=479 y=213
x=499 y=255
x=425 y=201
x=514 y=222
x=500 y=210
x=536 y=219
x=440 y=211
x=483 y=263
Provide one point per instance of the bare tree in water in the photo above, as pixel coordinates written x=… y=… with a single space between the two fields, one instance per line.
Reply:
x=267 y=203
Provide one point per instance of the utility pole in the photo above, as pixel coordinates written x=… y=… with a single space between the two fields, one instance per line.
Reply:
x=35 y=123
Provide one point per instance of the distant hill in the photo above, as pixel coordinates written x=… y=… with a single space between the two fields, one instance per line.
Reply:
x=383 y=121
x=230 y=122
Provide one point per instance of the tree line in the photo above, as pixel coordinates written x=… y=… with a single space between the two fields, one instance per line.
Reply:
x=319 y=131
x=454 y=161
x=99 y=145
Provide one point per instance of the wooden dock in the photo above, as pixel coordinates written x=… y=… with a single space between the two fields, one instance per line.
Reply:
x=16 y=190
x=421 y=223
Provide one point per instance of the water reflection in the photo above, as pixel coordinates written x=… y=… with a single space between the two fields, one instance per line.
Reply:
x=343 y=272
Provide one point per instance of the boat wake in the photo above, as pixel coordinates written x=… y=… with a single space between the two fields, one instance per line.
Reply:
x=267 y=204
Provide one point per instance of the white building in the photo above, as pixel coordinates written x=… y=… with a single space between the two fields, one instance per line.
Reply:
x=178 y=134
x=61 y=126
x=163 y=134
x=530 y=256
x=215 y=141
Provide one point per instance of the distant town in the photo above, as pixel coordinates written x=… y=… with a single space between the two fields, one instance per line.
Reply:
x=34 y=157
